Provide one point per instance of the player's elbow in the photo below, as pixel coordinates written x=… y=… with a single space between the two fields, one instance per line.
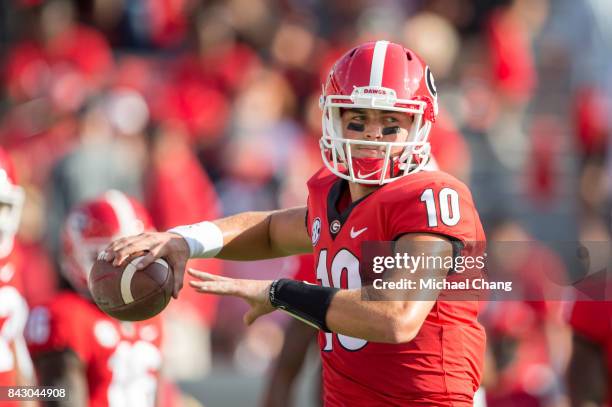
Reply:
x=400 y=330
x=402 y=335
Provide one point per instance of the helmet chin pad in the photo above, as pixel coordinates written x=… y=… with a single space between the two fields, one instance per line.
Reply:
x=370 y=168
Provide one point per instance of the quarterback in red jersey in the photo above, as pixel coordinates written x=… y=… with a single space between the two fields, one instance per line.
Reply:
x=15 y=363
x=101 y=361
x=442 y=362
x=379 y=104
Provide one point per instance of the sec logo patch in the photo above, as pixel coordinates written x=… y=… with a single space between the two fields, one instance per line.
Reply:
x=316 y=231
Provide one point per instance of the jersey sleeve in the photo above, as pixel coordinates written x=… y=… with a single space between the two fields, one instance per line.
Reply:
x=440 y=205
x=58 y=327
x=305 y=270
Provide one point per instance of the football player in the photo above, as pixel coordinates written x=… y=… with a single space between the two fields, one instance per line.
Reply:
x=15 y=363
x=379 y=104
x=75 y=346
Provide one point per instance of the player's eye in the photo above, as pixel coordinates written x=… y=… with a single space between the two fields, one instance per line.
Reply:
x=390 y=119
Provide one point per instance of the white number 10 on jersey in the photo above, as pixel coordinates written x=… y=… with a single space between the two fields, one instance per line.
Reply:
x=344 y=261
x=449 y=207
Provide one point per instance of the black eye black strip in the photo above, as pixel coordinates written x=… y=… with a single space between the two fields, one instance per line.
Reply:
x=390 y=130
x=355 y=126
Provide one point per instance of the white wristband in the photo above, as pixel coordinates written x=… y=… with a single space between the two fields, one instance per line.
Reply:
x=205 y=239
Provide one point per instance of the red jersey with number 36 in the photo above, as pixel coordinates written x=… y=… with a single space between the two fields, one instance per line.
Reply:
x=442 y=364
x=121 y=360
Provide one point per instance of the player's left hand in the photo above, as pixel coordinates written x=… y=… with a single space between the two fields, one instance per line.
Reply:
x=255 y=292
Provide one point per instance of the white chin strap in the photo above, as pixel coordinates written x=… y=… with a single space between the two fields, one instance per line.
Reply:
x=336 y=150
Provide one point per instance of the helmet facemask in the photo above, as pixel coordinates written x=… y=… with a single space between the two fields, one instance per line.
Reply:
x=11 y=204
x=77 y=265
x=336 y=150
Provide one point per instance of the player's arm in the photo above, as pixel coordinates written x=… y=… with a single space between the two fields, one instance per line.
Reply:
x=586 y=389
x=245 y=236
x=63 y=370
x=264 y=235
x=387 y=319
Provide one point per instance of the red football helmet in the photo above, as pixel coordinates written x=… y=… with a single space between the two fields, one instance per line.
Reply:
x=386 y=76
x=91 y=226
x=11 y=204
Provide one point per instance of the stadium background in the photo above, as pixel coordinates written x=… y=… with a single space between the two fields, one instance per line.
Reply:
x=204 y=108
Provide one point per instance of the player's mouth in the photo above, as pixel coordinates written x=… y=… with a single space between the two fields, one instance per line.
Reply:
x=370 y=151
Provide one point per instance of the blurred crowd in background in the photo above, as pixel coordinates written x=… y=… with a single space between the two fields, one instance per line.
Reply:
x=208 y=108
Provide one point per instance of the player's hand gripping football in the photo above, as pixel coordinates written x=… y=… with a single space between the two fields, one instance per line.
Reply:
x=255 y=292
x=152 y=245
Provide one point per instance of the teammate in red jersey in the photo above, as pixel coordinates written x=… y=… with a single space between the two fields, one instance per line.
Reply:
x=15 y=363
x=99 y=360
x=379 y=104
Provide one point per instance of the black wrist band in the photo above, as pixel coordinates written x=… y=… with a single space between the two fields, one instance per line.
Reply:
x=306 y=302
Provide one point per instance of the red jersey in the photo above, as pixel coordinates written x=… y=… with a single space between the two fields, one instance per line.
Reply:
x=443 y=363
x=305 y=265
x=593 y=320
x=13 y=318
x=122 y=360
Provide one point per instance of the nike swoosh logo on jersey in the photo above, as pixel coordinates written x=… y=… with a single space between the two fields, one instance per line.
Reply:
x=360 y=175
x=355 y=233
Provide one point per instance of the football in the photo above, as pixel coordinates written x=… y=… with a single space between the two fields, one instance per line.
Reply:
x=128 y=294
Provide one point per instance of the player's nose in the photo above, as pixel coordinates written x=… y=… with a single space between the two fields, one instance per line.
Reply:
x=373 y=131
